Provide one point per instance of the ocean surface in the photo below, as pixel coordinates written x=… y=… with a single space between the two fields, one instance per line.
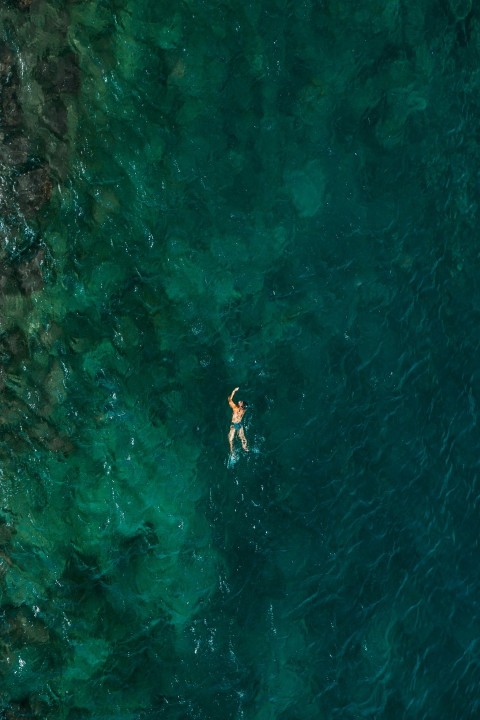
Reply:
x=271 y=194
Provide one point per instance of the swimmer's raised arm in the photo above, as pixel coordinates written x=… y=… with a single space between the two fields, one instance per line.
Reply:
x=230 y=398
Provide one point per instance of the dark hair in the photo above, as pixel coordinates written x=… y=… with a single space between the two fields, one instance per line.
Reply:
x=244 y=404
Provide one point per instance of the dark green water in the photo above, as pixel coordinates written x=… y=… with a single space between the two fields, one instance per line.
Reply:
x=281 y=196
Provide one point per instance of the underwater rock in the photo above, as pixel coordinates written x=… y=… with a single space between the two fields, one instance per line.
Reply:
x=90 y=655
x=13 y=349
x=6 y=533
x=11 y=112
x=23 y=138
x=55 y=117
x=25 y=629
x=25 y=175
x=460 y=8
x=30 y=276
x=23 y=4
x=33 y=189
x=8 y=281
x=51 y=334
x=60 y=444
x=14 y=151
x=20 y=710
x=61 y=75
x=306 y=188
x=80 y=345
x=6 y=63
x=54 y=383
x=5 y=562
x=67 y=76
x=46 y=434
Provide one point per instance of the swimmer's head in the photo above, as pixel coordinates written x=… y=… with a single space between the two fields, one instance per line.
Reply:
x=242 y=404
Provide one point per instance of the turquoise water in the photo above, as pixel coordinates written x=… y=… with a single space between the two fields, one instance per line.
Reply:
x=280 y=196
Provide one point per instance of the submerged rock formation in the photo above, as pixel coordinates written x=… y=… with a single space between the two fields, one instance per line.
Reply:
x=39 y=82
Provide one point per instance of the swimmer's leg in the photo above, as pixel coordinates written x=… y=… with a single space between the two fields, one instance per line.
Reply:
x=241 y=435
x=231 y=435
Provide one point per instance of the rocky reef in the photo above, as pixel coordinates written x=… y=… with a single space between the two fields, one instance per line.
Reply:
x=39 y=82
x=39 y=85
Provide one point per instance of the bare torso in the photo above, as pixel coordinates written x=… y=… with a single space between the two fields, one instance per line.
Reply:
x=238 y=414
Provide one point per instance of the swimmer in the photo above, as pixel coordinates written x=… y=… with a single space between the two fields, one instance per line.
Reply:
x=236 y=425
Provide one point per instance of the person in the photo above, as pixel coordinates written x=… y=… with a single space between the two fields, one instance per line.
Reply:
x=236 y=426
